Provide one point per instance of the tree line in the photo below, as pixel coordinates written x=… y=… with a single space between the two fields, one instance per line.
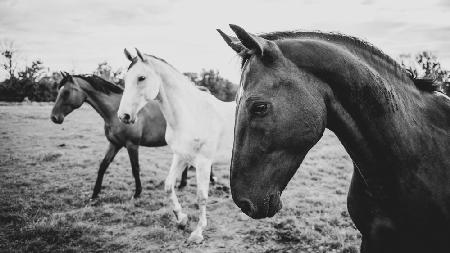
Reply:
x=35 y=82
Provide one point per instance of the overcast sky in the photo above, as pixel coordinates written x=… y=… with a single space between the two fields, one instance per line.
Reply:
x=76 y=35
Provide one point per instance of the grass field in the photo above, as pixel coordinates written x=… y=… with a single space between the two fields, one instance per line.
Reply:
x=47 y=173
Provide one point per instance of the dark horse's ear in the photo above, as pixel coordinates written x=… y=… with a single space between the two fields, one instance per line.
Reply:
x=141 y=56
x=232 y=42
x=68 y=76
x=254 y=43
x=62 y=74
x=128 y=55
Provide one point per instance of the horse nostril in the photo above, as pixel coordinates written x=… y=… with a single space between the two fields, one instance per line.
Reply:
x=55 y=119
x=246 y=206
x=126 y=116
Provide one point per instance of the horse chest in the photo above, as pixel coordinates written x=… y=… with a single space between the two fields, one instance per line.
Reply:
x=109 y=133
x=116 y=134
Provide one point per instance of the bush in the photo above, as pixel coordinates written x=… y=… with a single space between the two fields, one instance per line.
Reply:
x=217 y=85
x=45 y=90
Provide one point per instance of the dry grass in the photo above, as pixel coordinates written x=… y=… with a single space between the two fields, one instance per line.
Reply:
x=47 y=173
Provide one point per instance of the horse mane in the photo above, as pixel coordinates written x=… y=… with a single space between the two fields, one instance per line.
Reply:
x=64 y=80
x=101 y=84
x=421 y=83
x=96 y=82
x=426 y=84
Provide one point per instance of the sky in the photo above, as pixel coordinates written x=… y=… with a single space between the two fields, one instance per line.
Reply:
x=76 y=35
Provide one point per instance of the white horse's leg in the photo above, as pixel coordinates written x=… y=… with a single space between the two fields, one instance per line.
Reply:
x=169 y=186
x=203 y=170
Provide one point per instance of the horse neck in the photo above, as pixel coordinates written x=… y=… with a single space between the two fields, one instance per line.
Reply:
x=177 y=97
x=104 y=104
x=370 y=108
x=370 y=86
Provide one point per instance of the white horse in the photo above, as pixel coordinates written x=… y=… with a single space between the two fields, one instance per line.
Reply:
x=199 y=126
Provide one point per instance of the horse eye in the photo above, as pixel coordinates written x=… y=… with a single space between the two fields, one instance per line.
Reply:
x=259 y=109
x=65 y=94
x=141 y=78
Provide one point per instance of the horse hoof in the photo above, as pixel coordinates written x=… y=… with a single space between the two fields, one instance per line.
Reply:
x=92 y=201
x=168 y=187
x=182 y=221
x=136 y=196
x=182 y=185
x=195 y=238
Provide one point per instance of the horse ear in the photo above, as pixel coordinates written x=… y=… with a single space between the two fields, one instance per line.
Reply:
x=69 y=76
x=141 y=56
x=62 y=74
x=232 y=42
x=127 y=54
x=252 y=42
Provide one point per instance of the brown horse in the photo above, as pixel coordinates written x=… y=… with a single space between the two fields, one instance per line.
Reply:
x=296 y=84
x=105 y=97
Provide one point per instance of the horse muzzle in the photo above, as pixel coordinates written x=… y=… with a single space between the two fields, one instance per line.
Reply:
x=267 y=207
x=127 y=118
x=57 y=119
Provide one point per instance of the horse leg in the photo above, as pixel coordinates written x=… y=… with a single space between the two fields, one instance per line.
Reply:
x=183 y=181
x=203 y=171
x=212 y=178
x=382 y=238
x=133 y=153
x=109 y=156
x=169 y=186
x=377 y=229
x=357 y=203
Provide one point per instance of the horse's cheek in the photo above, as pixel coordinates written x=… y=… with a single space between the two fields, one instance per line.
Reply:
x=151 y=92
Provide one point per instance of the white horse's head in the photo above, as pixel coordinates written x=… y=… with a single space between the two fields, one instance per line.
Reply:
x=142 y=84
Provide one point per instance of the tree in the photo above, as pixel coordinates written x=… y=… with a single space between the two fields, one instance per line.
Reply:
x=104 y=70
x=425 y=65
x=33 y=72
x=219 y=86
x=431 y=66
x=9 y=52
x=192 y=76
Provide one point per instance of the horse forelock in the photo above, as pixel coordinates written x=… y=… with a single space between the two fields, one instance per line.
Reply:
x=133 y=62
x=63 y=81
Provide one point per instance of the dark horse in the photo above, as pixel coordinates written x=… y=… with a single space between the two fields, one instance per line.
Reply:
x=105 y=97
x=296 y=84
